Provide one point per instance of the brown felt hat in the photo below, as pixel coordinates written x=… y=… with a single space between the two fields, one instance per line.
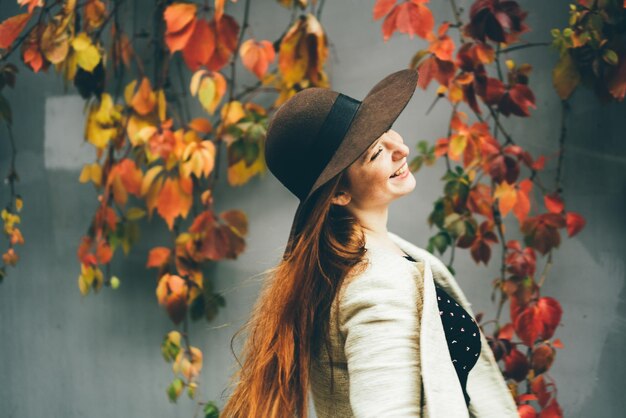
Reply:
x=318 y=133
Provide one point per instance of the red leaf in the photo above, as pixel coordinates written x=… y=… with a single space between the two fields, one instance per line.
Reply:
x=516 y=365
x=158 y=257
x=539 y=388
x=553 y=410
x=554 y=203
x=382 y=8
x=506 y=332
x=529 y=324
x=200 y=47
x=575 y=222
x=557 y=343
x=526 y=411
x=542 y=358
x=550 y=312
x=11 y=28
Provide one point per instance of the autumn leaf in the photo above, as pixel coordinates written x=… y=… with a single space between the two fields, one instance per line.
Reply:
x=516 y=365
x=31 y=50
x=198 y=158
x=574 y=222
x=31 y=4
x=303 y=53
x=180 y=22
x=174 y=199
x=94 y=14
x=200 y=46
x=125 y=177
x=210 y=87
x=412 y=18
x=541 y=232
x=11 y=28
x=237 y=220
x=172 y=293
x=103 y=121
x=201 y=125
x=91 y=172
x=554 y=203
x=542 y=358
x=144 y=99
x=86 y=54
x=158 y=257
x=565 y=76
x=226 y=36
x=55 y=39
x=188 y=364
x=442 y=46
x=499 y=21
x=256 y=56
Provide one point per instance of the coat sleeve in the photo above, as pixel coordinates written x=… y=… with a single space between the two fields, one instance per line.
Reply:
x=379 y=320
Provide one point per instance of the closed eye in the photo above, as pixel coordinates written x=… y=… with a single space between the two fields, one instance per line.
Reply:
x=376 y=155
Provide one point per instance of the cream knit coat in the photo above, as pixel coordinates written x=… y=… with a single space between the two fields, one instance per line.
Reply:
x=391 y=358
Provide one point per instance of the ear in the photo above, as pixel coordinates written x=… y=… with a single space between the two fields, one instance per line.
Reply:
x=341 y=198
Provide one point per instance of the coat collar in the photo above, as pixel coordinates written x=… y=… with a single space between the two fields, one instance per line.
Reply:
x=442 y=389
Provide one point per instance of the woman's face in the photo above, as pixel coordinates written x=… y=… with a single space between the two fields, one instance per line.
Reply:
x=371 y=185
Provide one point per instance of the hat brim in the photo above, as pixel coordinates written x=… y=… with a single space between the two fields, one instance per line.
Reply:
x=378 y=111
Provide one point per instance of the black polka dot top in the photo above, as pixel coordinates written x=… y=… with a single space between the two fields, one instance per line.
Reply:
x=462 y=335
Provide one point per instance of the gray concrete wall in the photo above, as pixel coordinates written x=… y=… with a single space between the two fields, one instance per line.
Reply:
x=62 y=355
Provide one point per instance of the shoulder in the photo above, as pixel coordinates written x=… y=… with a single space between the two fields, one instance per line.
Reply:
x=387 y=281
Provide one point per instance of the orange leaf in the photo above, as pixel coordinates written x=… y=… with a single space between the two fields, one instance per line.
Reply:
x=382 y=7
x=31 y=4
x=104 y=253
x=201 y=45
x=522 y=204
x=173 y=201
x=201 y=125
x=574 y=222
x=180 y=21
x=256 y=56
x=226 y=32
x=158 y=257
x=11 y=28
x=144 y=99
x=553 y=203
x=172 y=293
x=507 y=197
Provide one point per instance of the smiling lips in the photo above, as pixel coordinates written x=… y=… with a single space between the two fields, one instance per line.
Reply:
x=401 y=171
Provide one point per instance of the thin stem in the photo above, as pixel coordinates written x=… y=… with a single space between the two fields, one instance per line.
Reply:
x=559 y=168
x=524 y=46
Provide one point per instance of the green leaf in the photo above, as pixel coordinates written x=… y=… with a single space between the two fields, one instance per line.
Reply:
x=610 y=57
x=174 y=390
x=211 y=410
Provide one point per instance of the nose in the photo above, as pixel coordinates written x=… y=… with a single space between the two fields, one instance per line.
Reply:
x=400 y=149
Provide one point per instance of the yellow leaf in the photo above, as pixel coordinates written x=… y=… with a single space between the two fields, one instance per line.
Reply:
x=161 y=105
x=565 y=76
x=232 y=112
x=103 y=121
x=457 y=146
x=134 y=213
x=239 y=173
x=91 y=172
x=87 y=55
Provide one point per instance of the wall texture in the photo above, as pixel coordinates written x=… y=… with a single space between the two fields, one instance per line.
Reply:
x=67 y=356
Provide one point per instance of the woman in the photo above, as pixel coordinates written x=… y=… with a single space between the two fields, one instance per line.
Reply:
x=355 y=314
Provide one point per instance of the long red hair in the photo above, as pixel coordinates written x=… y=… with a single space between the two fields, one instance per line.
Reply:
x=289 y=321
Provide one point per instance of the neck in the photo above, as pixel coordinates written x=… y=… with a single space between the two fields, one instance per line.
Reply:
x=374 y=224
